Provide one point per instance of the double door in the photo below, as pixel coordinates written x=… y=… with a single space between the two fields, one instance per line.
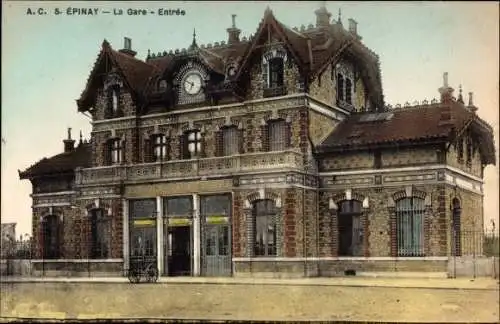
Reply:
x=216 y=250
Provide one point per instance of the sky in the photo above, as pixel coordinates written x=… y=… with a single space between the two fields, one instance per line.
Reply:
x=46 y=60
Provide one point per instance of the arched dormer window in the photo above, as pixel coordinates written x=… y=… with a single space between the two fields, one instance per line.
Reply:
x=273 y=68
x=162 y=85
x=340 y=87
x=345 y=84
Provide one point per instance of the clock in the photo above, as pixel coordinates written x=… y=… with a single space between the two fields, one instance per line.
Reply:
x=192 y=83
x=231 y=71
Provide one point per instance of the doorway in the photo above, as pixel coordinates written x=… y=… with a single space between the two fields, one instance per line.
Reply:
x=217 y=257
x=179 y=251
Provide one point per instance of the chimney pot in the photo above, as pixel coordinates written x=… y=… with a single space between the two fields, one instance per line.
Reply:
x=233 y=32
x=353 y=26
x=127 y=47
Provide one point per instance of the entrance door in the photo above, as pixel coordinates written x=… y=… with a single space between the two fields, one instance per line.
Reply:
x=179 y=251
x=217 y=257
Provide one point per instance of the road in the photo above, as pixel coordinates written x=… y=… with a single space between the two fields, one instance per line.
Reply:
x=244 y=302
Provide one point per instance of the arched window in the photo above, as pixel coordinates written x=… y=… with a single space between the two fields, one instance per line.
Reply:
x=348 y=91
x=264 y=227
x=100 y=234
x=350 y=228
x=457 y=241
x=410 y=226
x=51 y=237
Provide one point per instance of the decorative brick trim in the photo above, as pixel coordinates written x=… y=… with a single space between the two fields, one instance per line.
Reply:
x=334 y=233
x=393 y=242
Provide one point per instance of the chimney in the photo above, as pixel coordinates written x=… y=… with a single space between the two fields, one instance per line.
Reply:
x=233 y=32
x=471 y=106
x=127 y=47
x=322 y=17
x=446 y=91
x=353 y=26
x=69 y=144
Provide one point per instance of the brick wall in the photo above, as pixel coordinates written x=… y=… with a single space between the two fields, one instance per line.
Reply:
x=291 y=79
x=320 y=126
x=474 y=168
x=408 y=156
x=323 y=87
x=126 y=104
x=348 y=160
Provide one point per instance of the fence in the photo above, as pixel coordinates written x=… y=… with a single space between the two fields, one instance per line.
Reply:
x=469 y=254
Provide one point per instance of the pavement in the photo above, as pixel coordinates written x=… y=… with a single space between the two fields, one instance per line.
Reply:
x=431 y=283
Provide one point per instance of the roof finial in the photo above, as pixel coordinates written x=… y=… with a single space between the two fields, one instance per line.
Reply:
x=340 y=17
x=471 y=103
x=69 y=133
x=460 y=97
x=81 y=137
x=194 y=45
x=445 y=79
x=233 y=17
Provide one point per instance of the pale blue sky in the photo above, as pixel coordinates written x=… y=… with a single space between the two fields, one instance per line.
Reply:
x=46 y=61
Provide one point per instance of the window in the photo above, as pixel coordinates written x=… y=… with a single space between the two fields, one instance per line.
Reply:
x=276 y=72
x=162 y=85
x=179 y=206
x=100 y=233
x=350 y=228
x=340 y=87
x=460 y=150
x=160 y=147
x=113 y=109
x=264 y=227
x=51 y=237
x=468 y=151
x=277 y=135
x=457 y=241
x=193 y=145
x=348 y=91
x=115 y=151
x=230 y=138
x=410 y=226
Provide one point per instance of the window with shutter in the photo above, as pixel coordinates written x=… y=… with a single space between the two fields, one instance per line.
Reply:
x=230 y=140
x=277 y=135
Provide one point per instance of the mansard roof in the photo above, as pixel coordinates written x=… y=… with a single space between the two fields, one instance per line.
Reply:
x=415 y=124
x=313 y=49
x=65 y=162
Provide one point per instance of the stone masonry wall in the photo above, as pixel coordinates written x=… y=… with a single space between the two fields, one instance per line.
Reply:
x=125 y=102
x=347 y=160
x=320 y=126
x=380 y=236
x=474 y=168
x=408 y=156
x=291 y=79
x=75 y=230
x=323 y=87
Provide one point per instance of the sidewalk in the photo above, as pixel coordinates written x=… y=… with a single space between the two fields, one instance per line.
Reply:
x=431 y=283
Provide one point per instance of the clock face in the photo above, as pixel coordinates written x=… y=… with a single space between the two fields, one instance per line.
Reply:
x=192 y=83
x=231 y=71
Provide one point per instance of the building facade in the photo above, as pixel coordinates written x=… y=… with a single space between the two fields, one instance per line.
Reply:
x=273 y=154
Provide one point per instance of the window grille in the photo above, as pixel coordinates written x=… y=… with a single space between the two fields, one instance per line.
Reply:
x=277 y=135
x=410 y=226
x=230 y=140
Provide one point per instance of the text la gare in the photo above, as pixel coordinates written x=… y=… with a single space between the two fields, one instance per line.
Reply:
x=130 y=12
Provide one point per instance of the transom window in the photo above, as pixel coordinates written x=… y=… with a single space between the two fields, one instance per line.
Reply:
x=410 y=226
x=277 y=135
x=100 y=234
x=264 y=228
x=160 y=147
x=231 y=140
